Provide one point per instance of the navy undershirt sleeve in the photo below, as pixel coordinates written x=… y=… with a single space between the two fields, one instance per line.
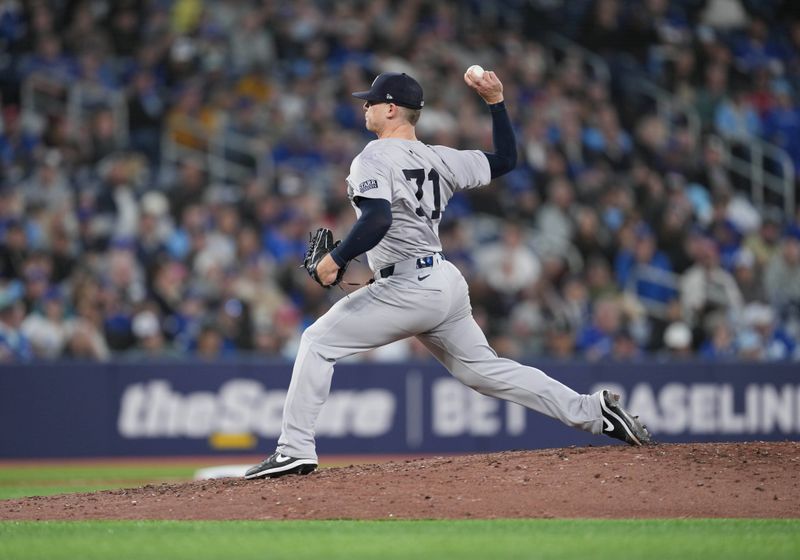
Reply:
x=504 y=159
x=369 y=229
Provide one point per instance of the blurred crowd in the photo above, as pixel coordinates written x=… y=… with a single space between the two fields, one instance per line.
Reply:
x=621 y=235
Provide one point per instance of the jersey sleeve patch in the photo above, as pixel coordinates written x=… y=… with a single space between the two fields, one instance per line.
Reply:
x=367 y=185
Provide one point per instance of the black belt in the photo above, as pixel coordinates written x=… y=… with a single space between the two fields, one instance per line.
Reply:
x=422 y=262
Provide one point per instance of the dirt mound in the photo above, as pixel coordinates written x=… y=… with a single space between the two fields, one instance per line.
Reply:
x=689 y=480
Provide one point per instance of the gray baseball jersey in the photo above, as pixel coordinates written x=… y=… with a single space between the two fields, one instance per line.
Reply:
x=424 y=296
x=418 y=180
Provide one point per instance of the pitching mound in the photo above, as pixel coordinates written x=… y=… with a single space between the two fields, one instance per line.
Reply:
x=691 y=480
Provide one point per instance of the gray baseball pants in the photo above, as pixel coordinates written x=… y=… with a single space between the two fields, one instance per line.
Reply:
x=433 y=305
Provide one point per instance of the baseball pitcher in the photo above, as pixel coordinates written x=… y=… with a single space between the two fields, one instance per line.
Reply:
x=399 y=188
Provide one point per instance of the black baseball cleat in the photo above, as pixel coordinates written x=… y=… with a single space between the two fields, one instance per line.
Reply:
x=278 y=464
x=617 y=423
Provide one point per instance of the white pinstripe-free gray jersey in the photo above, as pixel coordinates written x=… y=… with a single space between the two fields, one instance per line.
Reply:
x=418 y=180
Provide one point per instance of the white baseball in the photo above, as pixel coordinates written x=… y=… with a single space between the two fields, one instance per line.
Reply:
x=476 y=71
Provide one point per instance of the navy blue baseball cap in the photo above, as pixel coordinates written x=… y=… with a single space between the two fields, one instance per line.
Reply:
x=394 y=87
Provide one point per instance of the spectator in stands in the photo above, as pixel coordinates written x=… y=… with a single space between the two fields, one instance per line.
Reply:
x=765 y=242
x=83 y=33
x=508 y=264
x=624 y=347
x=571 y=146
x=125 y=25
x=86 y=339
x=782 y=275
x=150 y=341
x=591 y=239
x=672 y=235
x=707 y=287
x=678 y=340
x=234 y=320
x=210 y=342
x=154 y=229
x=728 y=240
x=607 y=141
x=602 y=31
x=792 y=62
x=48 y=187
x=101 y=140
x=680 y=74
x=645 y=271
x=116 y=207
x=595 y=341
x=36 y=274
x=187 y=320
x=599 y=278
x=760 y=94
x=554 y=220
x=736 y=119
x=124 y=273
x=776 y=344
x=251 y=45
x=527 y=325
x=191 y=121
x=62 y=249
x=713 y=175
x=749 y=346
x=748 y=276
x=18 y=145
x=14 y=345
x=50 y=64
x=14 y=249
x=47 y=327
x=189 y=187
x=782 y=123
x=758 y=48
x=721 y=344
x=146 y=109
x=712 y=94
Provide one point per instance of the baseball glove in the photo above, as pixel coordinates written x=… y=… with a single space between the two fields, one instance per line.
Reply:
x=320 y=244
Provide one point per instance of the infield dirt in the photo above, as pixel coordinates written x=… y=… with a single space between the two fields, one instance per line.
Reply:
x=749 y=480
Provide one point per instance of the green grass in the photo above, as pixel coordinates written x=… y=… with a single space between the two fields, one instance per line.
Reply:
x=494 y=540
x=18 y=482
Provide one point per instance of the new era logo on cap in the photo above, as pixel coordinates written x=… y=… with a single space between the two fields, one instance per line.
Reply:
x=400 y=89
